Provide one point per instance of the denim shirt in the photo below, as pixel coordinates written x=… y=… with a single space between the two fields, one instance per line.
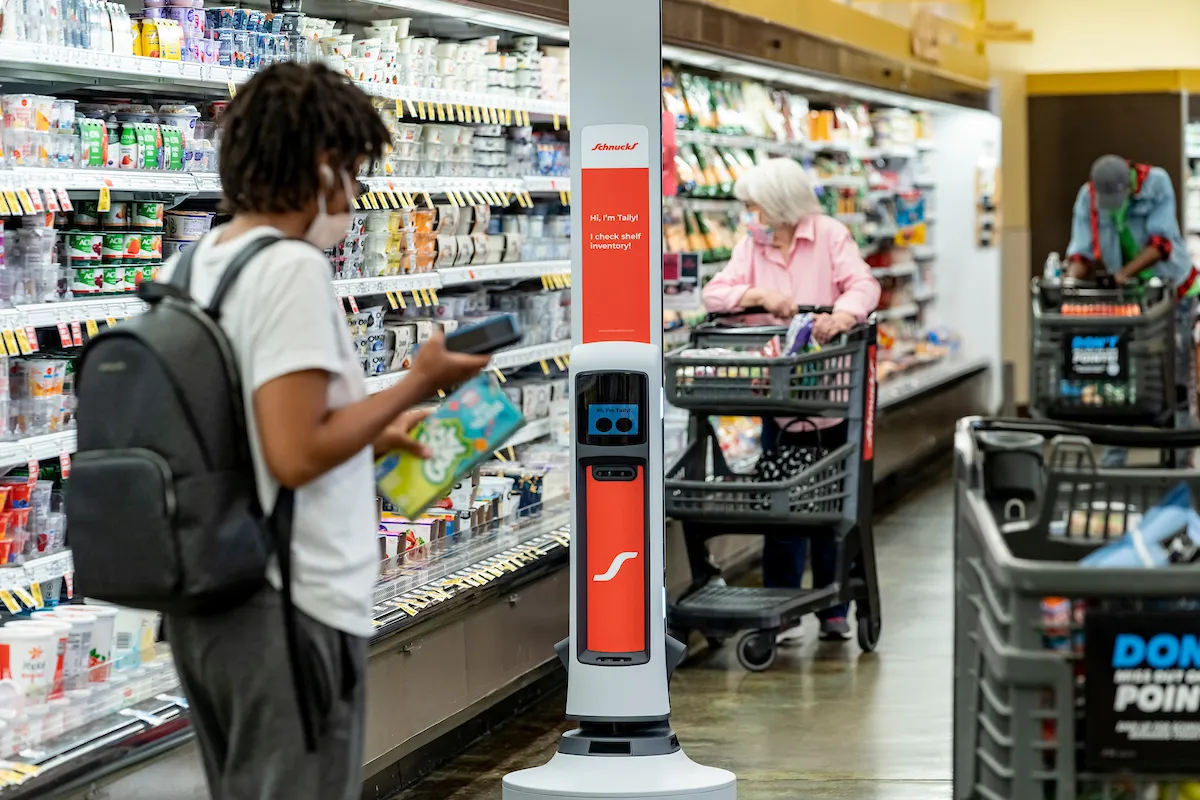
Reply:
x=1152 y=219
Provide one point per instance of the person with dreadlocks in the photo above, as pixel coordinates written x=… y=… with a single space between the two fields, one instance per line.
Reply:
x=292 y=142
x=1125 y=224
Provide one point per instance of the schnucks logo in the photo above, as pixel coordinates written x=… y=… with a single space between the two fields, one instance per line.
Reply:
x=614 y=567
x=604 y=146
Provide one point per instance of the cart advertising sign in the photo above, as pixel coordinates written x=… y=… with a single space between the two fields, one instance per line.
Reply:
x=1095 y=356
x=1142 y=691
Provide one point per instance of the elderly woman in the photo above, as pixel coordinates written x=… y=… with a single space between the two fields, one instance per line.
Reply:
x=794 y=255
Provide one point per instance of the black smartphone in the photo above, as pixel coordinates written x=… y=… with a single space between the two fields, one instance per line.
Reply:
x=486 y=337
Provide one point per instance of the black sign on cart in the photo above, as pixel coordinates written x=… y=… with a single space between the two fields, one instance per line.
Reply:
x=1143 y=691
x=1095 y=356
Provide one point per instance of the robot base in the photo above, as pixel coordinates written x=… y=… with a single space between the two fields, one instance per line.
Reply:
x=670 y=777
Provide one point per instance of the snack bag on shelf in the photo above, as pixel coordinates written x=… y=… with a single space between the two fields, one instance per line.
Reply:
x=463 y=432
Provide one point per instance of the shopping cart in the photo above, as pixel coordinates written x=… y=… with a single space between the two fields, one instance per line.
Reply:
x=831 y=497
x=1044 y=706
x=1103 y=353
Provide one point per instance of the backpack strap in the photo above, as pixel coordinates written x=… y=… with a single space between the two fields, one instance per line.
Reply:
x=280 y=525
x=232 y=272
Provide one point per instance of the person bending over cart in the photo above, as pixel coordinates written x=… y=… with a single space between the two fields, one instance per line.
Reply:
x=1125 y=224
x=795 y=255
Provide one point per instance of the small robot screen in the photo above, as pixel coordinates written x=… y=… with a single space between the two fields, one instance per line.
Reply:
x=612 y=419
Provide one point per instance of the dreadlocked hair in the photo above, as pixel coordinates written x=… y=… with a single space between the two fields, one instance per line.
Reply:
x=279 y=126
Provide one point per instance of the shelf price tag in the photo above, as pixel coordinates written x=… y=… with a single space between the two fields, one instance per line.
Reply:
x=10 y=200
x=92 y=328
x=76 y=333
x=556 y=123
x=499 y=375
x=25 y=597
x=433 y=294
x=545 y=367
x=391 y=298
x=64 y=200
x=24 y=201
x=36 y=591
x=31 y=337
x=353 y=303
x=10 y=343
x=51 y=201
x=64 y=334
x=558 y=362
x=412 y=112
x=416 y=298
x=35 y=199
x=10 y=602
x=110 y=321
x=232 y=89
x=4 y=209
x=33 y=469
x=428 y=199
x=64 y=464
x=22 y=342
x=105 y=201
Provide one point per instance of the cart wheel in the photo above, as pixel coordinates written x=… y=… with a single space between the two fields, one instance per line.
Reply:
x=756 y=650
x=715 y=642
x=868 y=632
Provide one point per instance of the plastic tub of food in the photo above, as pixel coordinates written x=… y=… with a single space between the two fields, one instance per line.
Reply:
x=441 y=134
x=189 y=225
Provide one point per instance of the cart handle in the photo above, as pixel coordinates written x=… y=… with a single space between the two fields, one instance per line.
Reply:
x=745 y=312
x=1112 y=435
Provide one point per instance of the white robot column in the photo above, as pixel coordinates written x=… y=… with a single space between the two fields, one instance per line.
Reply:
x=618 y=655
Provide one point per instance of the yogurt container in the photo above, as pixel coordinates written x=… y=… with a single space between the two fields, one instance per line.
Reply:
x=146 y=216
x=84 y=247
x=87 y=281
x=189 y=225
x=172 y=247
x=112 y=249
x=116 y=217
x=86 y=215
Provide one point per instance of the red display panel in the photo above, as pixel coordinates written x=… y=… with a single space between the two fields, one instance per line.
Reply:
x=615 y=594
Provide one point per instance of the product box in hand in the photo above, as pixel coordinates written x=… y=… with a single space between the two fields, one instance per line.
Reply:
x=465 y=430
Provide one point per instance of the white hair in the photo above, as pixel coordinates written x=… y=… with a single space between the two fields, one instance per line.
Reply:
x=781 y=188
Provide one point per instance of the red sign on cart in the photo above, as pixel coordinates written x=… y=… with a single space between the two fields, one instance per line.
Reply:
x=616 y=242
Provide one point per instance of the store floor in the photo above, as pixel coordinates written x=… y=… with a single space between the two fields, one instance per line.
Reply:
x=825 y=722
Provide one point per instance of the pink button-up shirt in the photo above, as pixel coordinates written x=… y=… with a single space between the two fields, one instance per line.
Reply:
x=825 y=268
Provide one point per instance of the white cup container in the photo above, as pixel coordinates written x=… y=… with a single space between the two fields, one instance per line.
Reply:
x=80 y=712
x=79 y=645
x=27 y=655
x=401 y=24
x=100 y=654
x=56 y=668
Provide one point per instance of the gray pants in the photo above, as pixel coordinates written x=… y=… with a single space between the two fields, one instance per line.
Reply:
x=234 y=670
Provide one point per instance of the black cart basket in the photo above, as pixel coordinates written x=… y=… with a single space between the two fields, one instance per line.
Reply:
x=1103 y=354
x=1070 y=680
x=831 y=497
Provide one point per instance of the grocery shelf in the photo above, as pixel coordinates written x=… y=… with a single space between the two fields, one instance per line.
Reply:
x=891 y=151
x=842 y=181
x=353 y=287
x=922 y=252
x=531 y=432
x=515 y=271
x=524 y=356
x=36 y=570
x=36 y=448
x=465 y=100
x=921 y=380
x=677 y=337
x=39 y=62
x=117 y=180
x=895 y=271
x=515 y=358
x=851 y=218
x=899 y=312
x=43 y=314
x=541 y=184
x=792 y=149
x=926 y=296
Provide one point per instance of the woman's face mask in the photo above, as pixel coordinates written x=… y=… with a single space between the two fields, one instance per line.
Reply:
x=328 y=229
x=759 y=231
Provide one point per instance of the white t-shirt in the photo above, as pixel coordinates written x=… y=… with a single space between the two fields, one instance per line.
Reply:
x=281 y=317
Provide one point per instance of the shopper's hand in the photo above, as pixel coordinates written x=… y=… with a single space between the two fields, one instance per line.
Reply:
x=1120 y=278
x=827 y=326
x=780 y=305
x=398 y=435
x=435 y=367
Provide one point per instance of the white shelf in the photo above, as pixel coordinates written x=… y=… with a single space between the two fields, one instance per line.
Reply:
x=36 y=448
x=894 y=271
x=922 y=252
x=391 y=283
x=118 y=180
x=891 y=151
x=524 y=356
x=515 y=271
x=538 y=429
x=24 y=61
x=506 y=360
x=541 y=184
x=927 y=296
x=44 y=314
x=792 y=149
x=926 y=145
x=413 y=94
x=37 y=570
x=841 y=181
x=899 y=312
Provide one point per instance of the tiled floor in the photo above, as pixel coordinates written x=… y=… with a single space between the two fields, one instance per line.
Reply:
x=825 y=722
